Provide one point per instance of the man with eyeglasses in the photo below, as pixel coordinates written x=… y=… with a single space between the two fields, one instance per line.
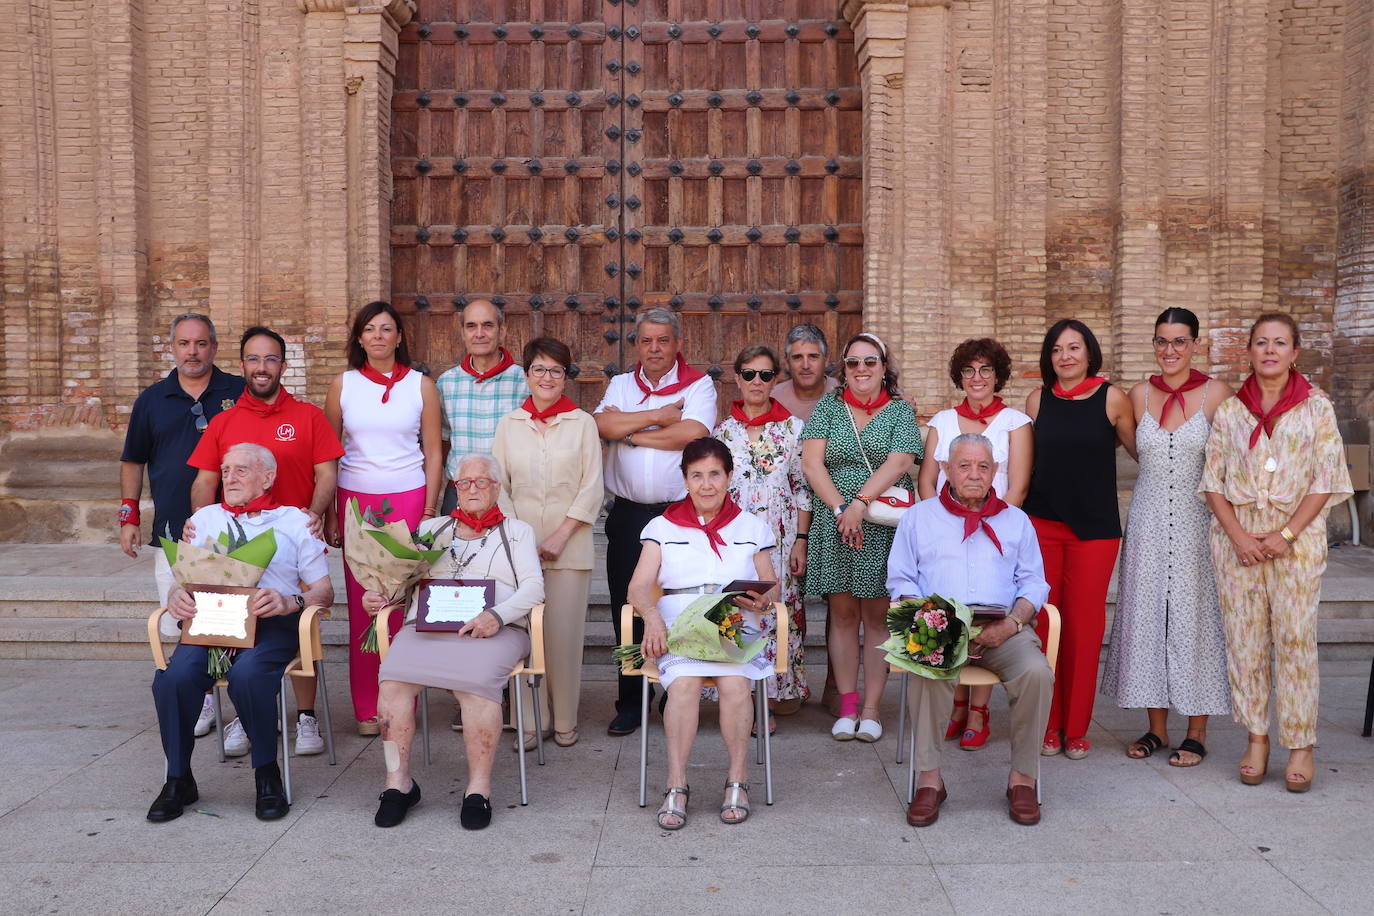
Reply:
x=307 y=452
x=165 y=425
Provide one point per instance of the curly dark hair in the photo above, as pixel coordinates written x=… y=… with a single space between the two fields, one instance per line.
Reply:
x=707 y=447
x=986 y=349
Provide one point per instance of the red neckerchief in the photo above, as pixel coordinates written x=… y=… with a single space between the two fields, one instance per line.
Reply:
x=1196 y=379
x=1083 y=387
x=983 y=416
x=1294 y=393
x=686 y=375
x=248 y=402
x=263 y=503
x=398 y=372
x=684 y=514
x=502 y=364
x=880 y=400
x=562 y=405
x=775 y=413
x=973 y=518
x=493 y=517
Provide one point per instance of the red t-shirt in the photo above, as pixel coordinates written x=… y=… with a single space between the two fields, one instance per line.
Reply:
x=296 y=432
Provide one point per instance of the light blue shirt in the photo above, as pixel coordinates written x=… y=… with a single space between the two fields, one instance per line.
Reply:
x=930 y=556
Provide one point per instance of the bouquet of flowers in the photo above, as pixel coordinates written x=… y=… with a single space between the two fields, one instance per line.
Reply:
x=710 y=629
x=233 y=558
x=385 y=557
x=929 y=636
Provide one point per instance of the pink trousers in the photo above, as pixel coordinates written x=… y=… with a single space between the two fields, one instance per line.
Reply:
x=362 y=666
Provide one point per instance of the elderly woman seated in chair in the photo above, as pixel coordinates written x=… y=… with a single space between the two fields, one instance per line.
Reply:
x=475 y=662
x=697 y=546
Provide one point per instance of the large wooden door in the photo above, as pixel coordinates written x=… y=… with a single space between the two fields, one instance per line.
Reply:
x=577 y=161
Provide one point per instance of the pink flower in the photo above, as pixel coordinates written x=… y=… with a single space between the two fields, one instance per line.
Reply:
x=936 y=658
x=935 y=619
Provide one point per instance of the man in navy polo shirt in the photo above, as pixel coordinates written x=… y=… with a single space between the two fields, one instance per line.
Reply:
x=165 y=427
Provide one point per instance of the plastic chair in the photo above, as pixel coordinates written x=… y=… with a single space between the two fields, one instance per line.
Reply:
x=309 y=662
x=762 y=715
x=971 y=676
x=530 y=668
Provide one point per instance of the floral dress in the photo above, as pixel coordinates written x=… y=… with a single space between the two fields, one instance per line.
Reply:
x=831 y=566
x=768 y=483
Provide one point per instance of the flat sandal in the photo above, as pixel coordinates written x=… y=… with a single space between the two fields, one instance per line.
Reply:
x=734 y=791
x=669 y=808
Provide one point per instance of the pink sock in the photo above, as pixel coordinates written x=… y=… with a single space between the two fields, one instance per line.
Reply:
x=849 y=705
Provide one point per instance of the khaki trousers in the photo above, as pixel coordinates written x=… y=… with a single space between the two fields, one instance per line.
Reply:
x=565 y=623
x=1021 y=666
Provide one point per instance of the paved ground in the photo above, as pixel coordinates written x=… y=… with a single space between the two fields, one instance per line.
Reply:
x=79 y=748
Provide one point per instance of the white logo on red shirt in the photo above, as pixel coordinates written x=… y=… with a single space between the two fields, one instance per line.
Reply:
x=286 y=433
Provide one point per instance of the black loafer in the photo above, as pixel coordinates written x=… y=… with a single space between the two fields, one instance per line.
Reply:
x=395 y=804
x=272 y=804
x=176 y=794
x=476 y=812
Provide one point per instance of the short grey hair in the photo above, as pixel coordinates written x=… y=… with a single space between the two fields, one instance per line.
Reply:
x=806 y=333
x=660 y=316
x=972 y=439
x=493 y=469
x=262 y=455
x=192 y=316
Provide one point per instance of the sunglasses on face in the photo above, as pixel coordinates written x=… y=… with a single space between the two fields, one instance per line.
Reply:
x=198 y=411
x=766 y=375
x=852 y=362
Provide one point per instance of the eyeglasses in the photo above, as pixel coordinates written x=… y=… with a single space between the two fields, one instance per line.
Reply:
x=1178 y=343
x=198 y=411
x=980 y=371
x=269 y=361
x=467 y=483
x=553 y=372
x=852 y=362
x=766 y=375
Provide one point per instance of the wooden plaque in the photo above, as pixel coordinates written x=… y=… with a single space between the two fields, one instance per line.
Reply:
x=217 y=639
x=447 y=615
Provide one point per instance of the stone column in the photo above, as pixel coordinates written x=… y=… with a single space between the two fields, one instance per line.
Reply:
x=903 y=55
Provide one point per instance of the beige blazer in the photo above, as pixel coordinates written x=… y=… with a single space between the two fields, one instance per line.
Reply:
x=550 y=474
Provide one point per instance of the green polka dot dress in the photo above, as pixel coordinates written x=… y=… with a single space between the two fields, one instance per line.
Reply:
x=830 y=565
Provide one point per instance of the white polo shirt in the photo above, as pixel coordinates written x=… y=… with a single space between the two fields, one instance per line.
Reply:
x=652 y=475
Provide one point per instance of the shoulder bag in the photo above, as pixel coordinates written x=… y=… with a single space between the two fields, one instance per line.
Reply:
x=888 y=507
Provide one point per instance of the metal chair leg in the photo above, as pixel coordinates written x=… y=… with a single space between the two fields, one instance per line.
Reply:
x=765 y=717
x=643 y=742
x=219 y=723
x=538 y=717
x=424 y=721
x=901 y=718
x=285 y=749
x=758 y=728
x=328 y=722
x=911 y=765
x=520 y=737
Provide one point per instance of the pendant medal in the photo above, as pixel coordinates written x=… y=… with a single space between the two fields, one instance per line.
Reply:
x=1271 y=465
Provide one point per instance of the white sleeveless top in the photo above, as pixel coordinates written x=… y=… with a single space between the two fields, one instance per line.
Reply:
x=946 y=425
x=381 y=441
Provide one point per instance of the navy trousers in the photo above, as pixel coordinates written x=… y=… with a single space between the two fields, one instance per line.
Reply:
x=624 y=523
x=254 y=679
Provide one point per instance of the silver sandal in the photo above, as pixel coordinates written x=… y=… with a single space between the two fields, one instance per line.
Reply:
x=733 y=793
x=670 y=809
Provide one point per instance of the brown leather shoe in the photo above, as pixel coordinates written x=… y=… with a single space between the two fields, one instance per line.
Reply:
x=1022 y=806
x=924 y=809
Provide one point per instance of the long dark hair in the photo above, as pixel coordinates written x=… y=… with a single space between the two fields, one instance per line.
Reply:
x=889 y=370
x=1047 y=376
x=357 y=358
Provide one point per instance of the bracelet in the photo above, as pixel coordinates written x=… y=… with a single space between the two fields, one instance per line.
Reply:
x=430 y=511
x=128 y=512
x=803 y=535
x=1287 y=535
x=863 y=499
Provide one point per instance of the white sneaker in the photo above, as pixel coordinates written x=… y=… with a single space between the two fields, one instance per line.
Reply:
x=207 y=717
x=844 y=728
x=870 y=730
x=235 y=740
x=308 y=740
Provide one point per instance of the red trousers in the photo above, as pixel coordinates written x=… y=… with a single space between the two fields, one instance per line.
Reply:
x=1078 y=572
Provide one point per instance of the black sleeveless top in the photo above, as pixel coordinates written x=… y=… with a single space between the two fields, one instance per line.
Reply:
x=1073 y=479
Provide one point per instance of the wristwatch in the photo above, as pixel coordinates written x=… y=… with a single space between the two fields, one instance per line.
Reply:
x=839 y=510
x=629 y=440
x=300 y=602
x=1016 y=620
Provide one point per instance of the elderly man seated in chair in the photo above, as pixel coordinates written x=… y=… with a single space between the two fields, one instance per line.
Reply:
x=255 y=676
x=968 y=545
